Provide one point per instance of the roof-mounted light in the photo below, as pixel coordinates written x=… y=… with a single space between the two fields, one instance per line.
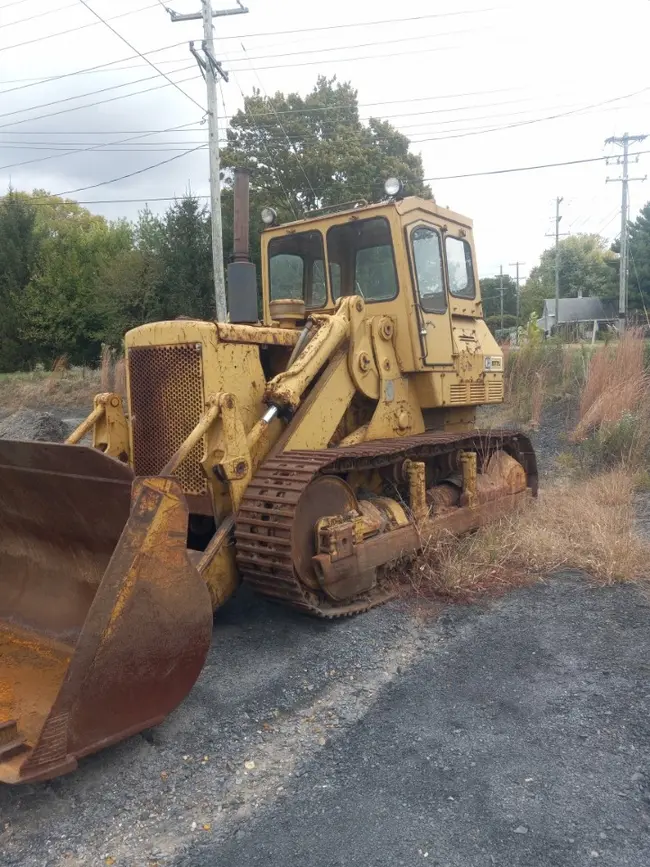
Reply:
x=269 y=216
x=393 y=187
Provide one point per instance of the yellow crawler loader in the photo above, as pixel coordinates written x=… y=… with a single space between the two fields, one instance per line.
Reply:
x=300 y=448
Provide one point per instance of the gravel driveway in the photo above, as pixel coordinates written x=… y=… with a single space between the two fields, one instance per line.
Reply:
x=515 y=733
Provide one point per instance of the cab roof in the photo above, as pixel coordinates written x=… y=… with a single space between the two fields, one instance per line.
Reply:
x=402 y=206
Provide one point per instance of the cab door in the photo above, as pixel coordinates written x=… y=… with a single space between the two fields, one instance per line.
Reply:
x=424 y=242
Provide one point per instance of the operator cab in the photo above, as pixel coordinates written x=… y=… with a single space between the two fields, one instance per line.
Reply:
x=360 y=260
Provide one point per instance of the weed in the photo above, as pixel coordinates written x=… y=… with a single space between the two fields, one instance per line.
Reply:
x=587 y=525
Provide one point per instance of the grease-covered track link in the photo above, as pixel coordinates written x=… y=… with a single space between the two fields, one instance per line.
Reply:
x=264 y=523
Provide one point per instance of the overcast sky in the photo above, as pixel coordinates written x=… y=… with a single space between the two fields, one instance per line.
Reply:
x=469 y=82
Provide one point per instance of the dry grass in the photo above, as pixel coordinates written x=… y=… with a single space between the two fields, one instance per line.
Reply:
x=587 y=526
x=63 y=386
x=616 y=383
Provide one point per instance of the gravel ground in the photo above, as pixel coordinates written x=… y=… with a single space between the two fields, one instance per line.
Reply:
x=30 y=424
x=513 y=733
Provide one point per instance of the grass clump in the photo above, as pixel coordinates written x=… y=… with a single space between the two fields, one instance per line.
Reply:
x=587 y=525
x=541 y=371
x=614 y=419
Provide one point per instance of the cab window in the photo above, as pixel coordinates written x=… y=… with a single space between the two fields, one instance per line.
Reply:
x=297 y=269
x=427 y=258
x=460 y=268
x=362 y=260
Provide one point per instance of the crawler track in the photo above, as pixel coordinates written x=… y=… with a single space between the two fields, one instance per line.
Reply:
x=263 y=527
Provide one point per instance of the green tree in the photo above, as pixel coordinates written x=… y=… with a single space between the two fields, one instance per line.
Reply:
x=587 y=267
x=132 y=282
x=18 y=251
x=491 y=297
x=61 y=309
x=186 y=286
x=313 y=151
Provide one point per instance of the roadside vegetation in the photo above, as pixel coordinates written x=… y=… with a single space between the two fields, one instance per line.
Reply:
x=585 y=517
x=63 y=386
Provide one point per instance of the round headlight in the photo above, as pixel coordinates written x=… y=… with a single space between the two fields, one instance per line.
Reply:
x=393 y=187
x=269 y=216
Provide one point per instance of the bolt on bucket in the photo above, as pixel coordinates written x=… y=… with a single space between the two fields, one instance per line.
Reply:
x=105 y=623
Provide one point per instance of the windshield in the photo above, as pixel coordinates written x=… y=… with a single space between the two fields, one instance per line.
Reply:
x=361 y=260
x=296 y=268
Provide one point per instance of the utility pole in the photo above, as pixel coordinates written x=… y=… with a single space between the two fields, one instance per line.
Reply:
x=212 y=70
x=501 y=293
x=557 y=236
x=624 y=142
x=516 y=266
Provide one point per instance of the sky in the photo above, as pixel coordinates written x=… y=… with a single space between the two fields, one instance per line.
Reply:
x=477 y=85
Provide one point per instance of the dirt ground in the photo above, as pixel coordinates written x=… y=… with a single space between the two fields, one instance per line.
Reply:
x=510 y=733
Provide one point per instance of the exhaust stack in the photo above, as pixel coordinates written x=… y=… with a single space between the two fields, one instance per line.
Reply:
x=241 y=220
x=242 y=277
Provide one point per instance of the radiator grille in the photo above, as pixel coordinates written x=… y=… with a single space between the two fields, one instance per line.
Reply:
x=477 y=392
x=458 y=393
x=495 y=390
x=166 y=404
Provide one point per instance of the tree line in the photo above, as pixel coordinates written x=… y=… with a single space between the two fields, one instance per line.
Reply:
x=71 y=280
x=589 y=266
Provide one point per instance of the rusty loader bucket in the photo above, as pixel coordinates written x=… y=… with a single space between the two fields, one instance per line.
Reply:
x=105 y=622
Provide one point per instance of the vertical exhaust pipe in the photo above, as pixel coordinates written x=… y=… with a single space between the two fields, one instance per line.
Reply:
x=241 y=219
x=242 y=277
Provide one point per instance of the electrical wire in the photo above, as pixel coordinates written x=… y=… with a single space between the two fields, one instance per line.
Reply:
x=524 y=168
x=377 y=43
x=268 y=153
x=146 y=59
x=100 y=67
x=425 y=180
x=292 y=145
x=74 y=29
x=86 y=149
x=40 y=15
x=350 y=24
x=129 y=175
x=90 y=93
x=93 y=104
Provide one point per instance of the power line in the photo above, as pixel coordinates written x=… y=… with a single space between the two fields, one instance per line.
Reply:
x=525 y=168
x=366 y=23
x=382 y=56
x=426 y=180
x=90 y=93
x=74 y=29
x=146 y=59
x=268 y=152
x=40 y=15
x=100 y=67
x=129 y=175
x=93 y=104
x=292 y=145
x=86 y=149
x=372 y=44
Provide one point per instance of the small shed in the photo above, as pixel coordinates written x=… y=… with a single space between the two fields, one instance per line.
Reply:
x=577 y=312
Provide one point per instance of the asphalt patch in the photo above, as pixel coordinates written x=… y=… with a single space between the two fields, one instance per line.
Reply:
x=520 y=737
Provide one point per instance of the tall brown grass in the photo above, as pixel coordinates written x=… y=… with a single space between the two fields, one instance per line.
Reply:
x=587 y=526
x=539 y=372
x=616 y=383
